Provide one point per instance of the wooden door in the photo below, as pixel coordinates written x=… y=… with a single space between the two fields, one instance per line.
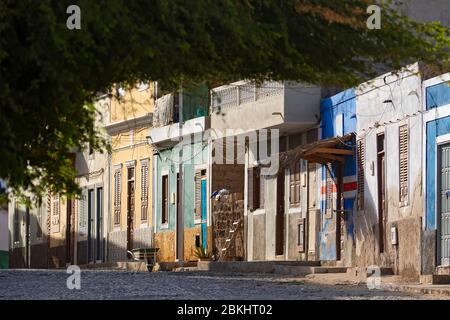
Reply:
x=381 y=178
x=279 y=231
x=130 y=208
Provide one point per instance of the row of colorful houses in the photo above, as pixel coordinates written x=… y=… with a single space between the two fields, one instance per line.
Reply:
x=298 y=172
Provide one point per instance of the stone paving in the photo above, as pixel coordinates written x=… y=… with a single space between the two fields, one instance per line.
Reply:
x=96 y=284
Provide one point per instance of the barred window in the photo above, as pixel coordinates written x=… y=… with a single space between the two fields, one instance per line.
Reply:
x=117 y=195
x=361 y=162
x=403 y=163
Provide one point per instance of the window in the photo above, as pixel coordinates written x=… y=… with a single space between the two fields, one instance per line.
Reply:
x=301 y=235
x=165 y=199
x=82 y=212
x=294 y=185
x=56 y=211
x=198 y=195
x=403 y=164
x=144 y=191
x=361 y=162
x=117 y=195
x=256 y=186
x=39 y=214
x=200 y=175
x=16 y=235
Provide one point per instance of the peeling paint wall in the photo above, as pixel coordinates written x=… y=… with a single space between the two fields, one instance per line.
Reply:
x=383 y=105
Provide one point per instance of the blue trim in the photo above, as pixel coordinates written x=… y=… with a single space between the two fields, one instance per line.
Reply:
x=434 y=129
x=438 y=95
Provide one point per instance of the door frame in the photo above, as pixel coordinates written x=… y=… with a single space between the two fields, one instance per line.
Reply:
x=280 y=215
x=130 y=211
x=382 y=209
x=444 y=140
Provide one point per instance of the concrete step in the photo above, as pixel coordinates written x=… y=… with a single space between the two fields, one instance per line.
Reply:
x=435 y=279
x=444 y=270
x=277 y=267
x=185 y=269
x=360 y=274
x=169 y=266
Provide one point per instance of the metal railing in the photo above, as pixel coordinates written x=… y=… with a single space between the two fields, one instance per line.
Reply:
x=240 y=93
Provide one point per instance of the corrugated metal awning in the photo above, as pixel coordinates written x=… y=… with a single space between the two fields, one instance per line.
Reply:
x=323 y=151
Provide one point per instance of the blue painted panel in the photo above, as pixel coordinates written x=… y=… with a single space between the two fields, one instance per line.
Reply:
x=434 y=129
x=438 y=95
x=204 y=199
x=342 y=103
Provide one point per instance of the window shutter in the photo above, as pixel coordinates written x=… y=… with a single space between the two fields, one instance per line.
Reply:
x=294 y=184
x=144 y=192
x=198 y=194
x=117 y=195
x=403 y=163
x=361 y=162
x=165 y=199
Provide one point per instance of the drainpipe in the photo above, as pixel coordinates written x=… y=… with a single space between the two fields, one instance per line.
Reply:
x=180 y=213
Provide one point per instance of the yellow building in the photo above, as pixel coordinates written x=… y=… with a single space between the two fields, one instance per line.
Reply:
x=130 y=215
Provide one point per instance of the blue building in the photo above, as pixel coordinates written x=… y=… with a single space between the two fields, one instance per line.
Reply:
x=436 y=187
x=338 y=183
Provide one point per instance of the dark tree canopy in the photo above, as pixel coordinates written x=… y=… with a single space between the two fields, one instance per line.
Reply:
x=49 y=74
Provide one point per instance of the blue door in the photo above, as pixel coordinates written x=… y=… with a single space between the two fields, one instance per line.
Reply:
x=203 y=213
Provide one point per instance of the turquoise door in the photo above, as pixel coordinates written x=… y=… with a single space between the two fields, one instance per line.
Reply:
x=204 y=213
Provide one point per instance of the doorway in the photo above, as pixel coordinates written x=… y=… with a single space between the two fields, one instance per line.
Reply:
x=130 y=207
x=69 y=233
x=203 y=209
x=91 y=227
x=279 y=231
x=381 y=189
x=99 y=226
x=443 y=246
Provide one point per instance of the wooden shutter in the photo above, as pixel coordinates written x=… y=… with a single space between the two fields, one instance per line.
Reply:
x=403 y=163
x=144 y=192
x=165 y=199
x=361 y=162
x=56 y=211
x=117 y=195
x=294 y=185
x=262 y=182
x=198 y=194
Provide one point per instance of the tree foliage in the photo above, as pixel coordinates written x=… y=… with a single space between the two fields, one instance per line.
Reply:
x=49 y=74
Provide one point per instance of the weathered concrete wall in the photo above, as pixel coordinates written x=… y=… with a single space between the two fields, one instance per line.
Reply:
x=224 y=212
x=399 y=106
x=428 y=252
x=165 y=241
x=259 y=236
x=292 y=241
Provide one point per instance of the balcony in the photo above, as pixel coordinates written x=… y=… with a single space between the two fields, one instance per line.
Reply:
x=245 y=105
x=166 y=130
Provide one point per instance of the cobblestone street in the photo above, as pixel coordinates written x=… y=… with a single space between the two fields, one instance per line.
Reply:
x=43 y=284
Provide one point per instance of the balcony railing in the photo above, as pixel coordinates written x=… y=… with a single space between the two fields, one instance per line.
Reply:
x=240 y=93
